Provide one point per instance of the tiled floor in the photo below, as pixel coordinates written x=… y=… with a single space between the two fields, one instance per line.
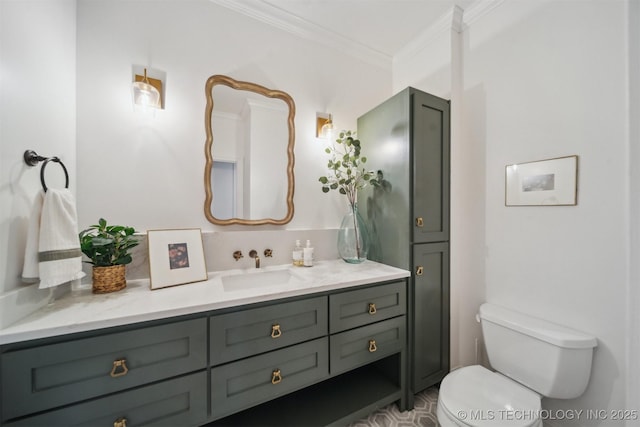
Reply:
x=422 y=415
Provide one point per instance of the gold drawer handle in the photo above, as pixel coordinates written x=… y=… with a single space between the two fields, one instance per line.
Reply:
x=372 y=346
x=419 y=270
x=120 y=422
x=119 y=369
x=372 y=308
x=275 y=331
x=276 y=377
x=419 y=222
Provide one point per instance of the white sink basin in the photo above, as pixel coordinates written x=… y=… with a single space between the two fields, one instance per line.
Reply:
x=258 y=278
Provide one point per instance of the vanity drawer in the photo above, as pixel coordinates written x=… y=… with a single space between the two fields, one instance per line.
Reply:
x=258 y=330
x=360 y=346
x=53 y=375
x=363 y=306
x=251 y=381
x=177 y=402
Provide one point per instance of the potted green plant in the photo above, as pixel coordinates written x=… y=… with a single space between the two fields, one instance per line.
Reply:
x=108 y=249
x=347 y=174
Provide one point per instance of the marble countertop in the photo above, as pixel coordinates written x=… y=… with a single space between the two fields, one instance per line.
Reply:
x=80 y=310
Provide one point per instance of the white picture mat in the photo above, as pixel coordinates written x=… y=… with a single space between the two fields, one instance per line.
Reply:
x=550 y=182
x=160 y=272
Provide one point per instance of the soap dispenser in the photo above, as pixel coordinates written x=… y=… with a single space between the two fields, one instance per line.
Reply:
x=298 y=254
x=307 y=255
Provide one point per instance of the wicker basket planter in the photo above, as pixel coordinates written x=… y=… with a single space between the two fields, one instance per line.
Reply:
x=109 y=279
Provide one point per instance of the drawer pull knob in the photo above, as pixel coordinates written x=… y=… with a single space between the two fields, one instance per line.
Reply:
x=275 y=331
x=372 y=346
x=372 y=308
x=120 y=422
x=419 y=270
x=276 y=377
x=119 y=369
x=419 y=222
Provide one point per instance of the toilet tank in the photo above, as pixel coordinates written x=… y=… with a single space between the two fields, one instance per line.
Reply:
x=546 y=357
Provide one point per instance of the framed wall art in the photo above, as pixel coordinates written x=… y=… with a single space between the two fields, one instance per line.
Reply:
x=176 y=257
x=552 y=182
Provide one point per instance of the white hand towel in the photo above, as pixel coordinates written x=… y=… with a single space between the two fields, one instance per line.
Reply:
x=30 y=269
x=59 y=255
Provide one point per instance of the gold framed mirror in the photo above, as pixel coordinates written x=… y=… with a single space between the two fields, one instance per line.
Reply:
x=248 y=176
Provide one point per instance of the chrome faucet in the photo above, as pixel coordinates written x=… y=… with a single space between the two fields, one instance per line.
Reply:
x=254 y=254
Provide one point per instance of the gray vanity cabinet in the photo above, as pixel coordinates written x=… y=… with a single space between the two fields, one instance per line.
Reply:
x=361 y=347
x=325 y=358
x=406 y=139
x=47 y=376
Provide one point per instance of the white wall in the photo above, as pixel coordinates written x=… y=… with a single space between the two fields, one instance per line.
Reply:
x=69 y=96
x=541 y=80
x=161 y=159
x=37 y=111
x=555 y=84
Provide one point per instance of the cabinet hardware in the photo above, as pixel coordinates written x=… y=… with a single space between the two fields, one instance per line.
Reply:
x=372 y=346
x=275 y=331
x=419 y=270
x=419 y=222
x=120 y=422
x=119 y=368
x=372 y=308
x=276 y=376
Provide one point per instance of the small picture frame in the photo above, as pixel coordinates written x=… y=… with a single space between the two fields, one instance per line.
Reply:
x=552 y=182
x=176 y=257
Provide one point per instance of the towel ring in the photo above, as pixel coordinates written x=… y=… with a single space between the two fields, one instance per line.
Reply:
x=32 y=158
x=57 y=160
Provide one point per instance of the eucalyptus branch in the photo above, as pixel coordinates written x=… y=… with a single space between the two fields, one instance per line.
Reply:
x=346 y=171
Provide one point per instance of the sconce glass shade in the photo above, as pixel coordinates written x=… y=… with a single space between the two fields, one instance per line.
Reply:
x=324 y=127
x=145 y=94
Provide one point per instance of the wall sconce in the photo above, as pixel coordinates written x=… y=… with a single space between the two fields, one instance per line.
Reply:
x=324 y=125
x=147 y=91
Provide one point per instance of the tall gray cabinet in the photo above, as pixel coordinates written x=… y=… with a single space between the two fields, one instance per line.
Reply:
x=407 y=140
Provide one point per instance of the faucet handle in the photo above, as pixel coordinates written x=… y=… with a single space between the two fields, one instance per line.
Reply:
x=237 y=255
x=268 y=253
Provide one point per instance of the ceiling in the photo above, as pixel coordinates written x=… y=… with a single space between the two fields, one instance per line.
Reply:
x=374 y=29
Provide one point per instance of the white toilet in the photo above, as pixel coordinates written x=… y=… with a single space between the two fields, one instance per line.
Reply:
x=533 y=359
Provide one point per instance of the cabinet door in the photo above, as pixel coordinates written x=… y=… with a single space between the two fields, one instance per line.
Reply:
x=248 y=382
x=431 y=141
x=364 y=306
x=360 y=346
x=180 y=401
x=48 y=376
x=431 y=314
x=257 y=330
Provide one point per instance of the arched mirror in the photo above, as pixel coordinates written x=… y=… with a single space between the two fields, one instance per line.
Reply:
x=248 y=176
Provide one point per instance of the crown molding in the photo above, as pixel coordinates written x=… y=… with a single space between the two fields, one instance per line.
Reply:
x=477 y=10
x=456 y=19
x=450 y=20
x=271 y=15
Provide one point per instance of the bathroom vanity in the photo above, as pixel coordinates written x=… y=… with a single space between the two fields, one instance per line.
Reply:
x=280 y=346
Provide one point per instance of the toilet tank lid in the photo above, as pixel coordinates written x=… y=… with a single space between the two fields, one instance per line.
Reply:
x=552 y=333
